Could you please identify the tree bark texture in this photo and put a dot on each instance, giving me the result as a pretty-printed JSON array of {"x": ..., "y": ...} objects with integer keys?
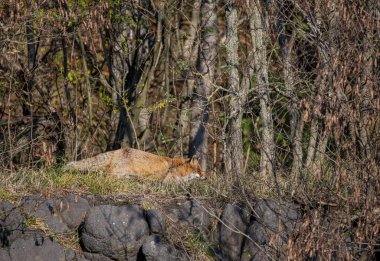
[
  {"x": 205, "y": 77},
  {"x": 233, "y": 157},
  {"x": 129, "y": 66},
  {"x": 258, "y": 27},
  {"x": 190, "y": 52},
  {"x": 286, "y": 44}
]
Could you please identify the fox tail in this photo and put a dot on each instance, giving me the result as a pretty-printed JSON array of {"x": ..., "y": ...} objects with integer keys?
[{"x": 91, "y": 164}]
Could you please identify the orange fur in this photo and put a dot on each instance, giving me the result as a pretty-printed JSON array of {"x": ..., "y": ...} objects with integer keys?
[{"x": 131, "y": 162}]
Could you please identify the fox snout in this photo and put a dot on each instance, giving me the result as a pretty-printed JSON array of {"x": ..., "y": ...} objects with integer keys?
[
  {"x": 197, "y": 176},
  {"x": 192, "y": 176}
]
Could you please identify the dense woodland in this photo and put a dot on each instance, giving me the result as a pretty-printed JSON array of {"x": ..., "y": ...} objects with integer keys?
[{"x": 286, "y": 91}]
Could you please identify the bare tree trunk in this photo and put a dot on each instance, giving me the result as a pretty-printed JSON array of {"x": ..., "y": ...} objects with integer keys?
[
  {"x": 329, "y": 60},
  {"x": 32, "y": 48},
  {"x": 190, "y": 52},
  {"x": 190, "y": 40},
  {"x": 141, "y": 115},
  {"x": 69, "y": 102},
  {"x": 258, "y": 29},
  {"x": 286, "y": 44},
  {"x": 312, "y": 143},
  {"x": 367, "y": 86},
  {"x": 315, "y": 27},
  {"x": 320, "y": 153},
  {"x": 233, "y": 157},
  {"x": 128, "y": 72},
  {"x": 167, "y": 44},
  {"x": 318, "y": 134},
  {"x": 109, "y": 85},
  {"x": 296, "y": 125},
  {"x": 205, "y": 66},
  {"x": 118, "y": 73},
  {"x": 87, "y": 78}
]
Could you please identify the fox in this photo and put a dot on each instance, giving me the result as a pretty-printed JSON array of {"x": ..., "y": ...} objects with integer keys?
[{"x": 126, "y": 162}]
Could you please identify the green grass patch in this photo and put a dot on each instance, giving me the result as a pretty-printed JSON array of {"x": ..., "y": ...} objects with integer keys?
[
  {"x": 51, "y": 180},
  {"x": 202, "y": 248}
]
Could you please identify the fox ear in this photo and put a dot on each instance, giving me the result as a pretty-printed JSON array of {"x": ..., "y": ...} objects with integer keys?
[{"x": 194, "y": 160}]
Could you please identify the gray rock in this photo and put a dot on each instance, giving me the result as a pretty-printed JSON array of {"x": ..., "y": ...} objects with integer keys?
[
  {"x": 72, "y": 255},
  {"x": 96, "y": 257},
  {"x": 74, "y": 210},
  {"x": 49, "y": 212},
  {"x": 190, "y": 213},
  {"x": 60, "y": 215},
  {"x": 36, "y": 247},
  {"x": 115, "y": 232},
  {"x": 274, "y": 223},
  {"x": 155, "y": 220},
  {"x": 29, "y": 204},
  {"x": 273, "y": 214},
  {"x": 156, "y": 248},
  {"x": 11, "y": 223},
  {"x": 4, "y": 254},
  {"x": 231, "y": 229},
  {"x": 256, "y": 248}
]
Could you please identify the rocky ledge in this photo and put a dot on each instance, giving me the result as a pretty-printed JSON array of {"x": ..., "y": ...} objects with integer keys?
[{"x": 117, "y": 230}]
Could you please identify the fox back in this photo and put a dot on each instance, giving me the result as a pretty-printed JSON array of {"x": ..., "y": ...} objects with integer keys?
[{"x": 131, "y": 162}]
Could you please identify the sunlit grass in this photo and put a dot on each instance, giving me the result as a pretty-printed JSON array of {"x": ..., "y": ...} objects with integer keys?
[
  {"x": 217, "y": 187},
  {"x": 56, "y": 181},
  {"x": 51, "y": 180}
]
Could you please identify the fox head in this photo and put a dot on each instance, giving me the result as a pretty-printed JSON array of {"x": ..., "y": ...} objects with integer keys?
[
  {"x": 188, "y": 169},
  {"x": 196, "y": 170}
]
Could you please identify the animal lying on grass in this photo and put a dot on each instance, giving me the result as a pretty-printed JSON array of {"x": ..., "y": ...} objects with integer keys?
[{"x": 131, "y": 162}]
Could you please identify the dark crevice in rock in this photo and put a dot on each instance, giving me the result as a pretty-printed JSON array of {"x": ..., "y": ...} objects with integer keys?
[{"x": 140, "y": 255}]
